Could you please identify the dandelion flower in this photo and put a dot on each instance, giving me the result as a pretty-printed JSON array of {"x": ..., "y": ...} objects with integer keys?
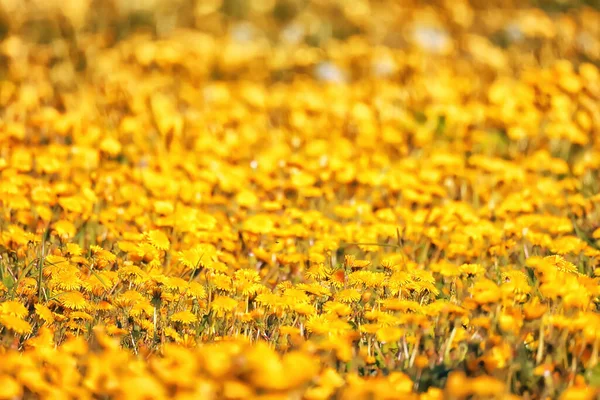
[
  {"x": 13, "y": 308},
  {"x": 81, "y": 315},
  {"x": 259, "y": 224},
  {"x": 389, "y": 334},
  {"x": 64, "y": 229},
  {"x": 44, "y": 313},
  {"x": 27, "y": 287},
  {"x": 196, "y": 291},
  {"x": 222, "y": 305},
  {"x": 10, "y": 388},
  {"x": 73, "y": 249},
  {"x": 173, "y": 334},
  {"x": 66, "y": 279},
  {"x": 319, "y": 324},
  {"x": 73, "y": 300},
  {"x": 158, "y": 239},
  {"x": 185, "y": 317},
  {"x": 198, "y": 255},
  {"x": 348, "y": 296},
  {"x": 15, "y": 324}
]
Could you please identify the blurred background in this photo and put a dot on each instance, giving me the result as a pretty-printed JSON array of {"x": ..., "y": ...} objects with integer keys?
[{"x": 279, "y": 39}]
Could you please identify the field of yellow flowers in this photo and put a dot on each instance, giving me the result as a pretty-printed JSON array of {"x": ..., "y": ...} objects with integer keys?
[{"x": 293, "y": 199}]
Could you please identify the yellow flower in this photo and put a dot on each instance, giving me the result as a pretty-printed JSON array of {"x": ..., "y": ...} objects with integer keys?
[
  {"x": 103, "y": 258},
  {"x": 561, "y": 264},
  {"x": 348, "y": 296},
  {"x": 71, "y": 204},
  {"x": 66, "y": 279},
  {"x": 44, "y": 313},
  {"x": 73, "y": 300},
  {"x": 80, "y": 315},
  {"x": 200, "y": 255},
  {"x": 13, "y": 308},
  {"x": 158, "y": 239},
  {"x": 320, "y": 324},
  {"x": 471, "y": 270},
  {"x": 10, "y": 388},
  {"x": 16, "y": 324},
  {"x": 73, "y": 249},
  {"x": 173, "y": 334},
  {"x": 132, "y": 273},
  {"x": 64, "y": 229},
  {"x": 389, "y": 334},
  {"x": 340, "y": 309},
  {"x": 289, "y": 330},
  {"x": 196, "y": 291},
  {"x": 222, "y": 282},
  {"x": 111, "y": 146},
  {"x": 185, "y": 317},
  {"x": 259, "y": 224},
  {"x": 222, "y": 305}
]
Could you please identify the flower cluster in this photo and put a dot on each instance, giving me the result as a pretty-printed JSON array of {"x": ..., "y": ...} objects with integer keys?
[{"x": 299, "y": 200}]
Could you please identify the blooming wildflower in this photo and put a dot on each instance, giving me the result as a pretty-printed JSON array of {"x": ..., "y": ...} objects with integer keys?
[
  {"x": 158, "y": 239},
  {"x": 185, "y": 317},
  {"x": 319, "y": 324},
  {"x": 314, "y": 288},
  {"x": 369, "y": 328},
  {"x": 13, "y": 308},
  {"x": 389, "y": 334},
  {"x": 128, "y": 298},
  {"x": 66, "y": 279},
  {"x": 223, "y": 304},
  {"x": 348, "y": 296},
  {"x": 16, "y": 324},
  {"x": 199, "y": 255},
  {"x": 303, "y": 308},
  {"x": 11, "y": 388},
  {"x": 132, "y": 274},
  {"x": 247, "y": 282},
  {"x": 222, "y": 282},
  {"x": 267, "y": 299},
  {"x": 561, "y": 264},
  {"x": 165, "y": 234},
  {"x": 175, "y": 284},
  {"x": 73, "y": 249},
  {"x": 337, "y": 278},
  {"x": 173, "y": 334},
  {"x": 367, "y": 278},
  {"x": 400, "y": 305},
  {"x": 471, "y": 270},
  {"x": 140, "y": 308},
  {"x": 103, "y": 257},
  {"x": 337, "y": 308},
  {"x": 259, "y": 224},
  {"x": 81, "y": 315},
  {"x": 296, "y": 296},
  {"x": 100, "y": 282},
  {"x": 73, "y": 300},
  {"x": 289, "y": 330},
  {"x": 196, "y": 290},
  {"x": 317, "y": 272},
  {"x": 44, "y": 313},
  {"x": 64, "y": 229},
  {"x": 485, "y": 291}
]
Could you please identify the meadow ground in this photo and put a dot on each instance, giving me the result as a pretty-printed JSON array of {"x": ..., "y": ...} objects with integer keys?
[{"x": 293, "y": 199}]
